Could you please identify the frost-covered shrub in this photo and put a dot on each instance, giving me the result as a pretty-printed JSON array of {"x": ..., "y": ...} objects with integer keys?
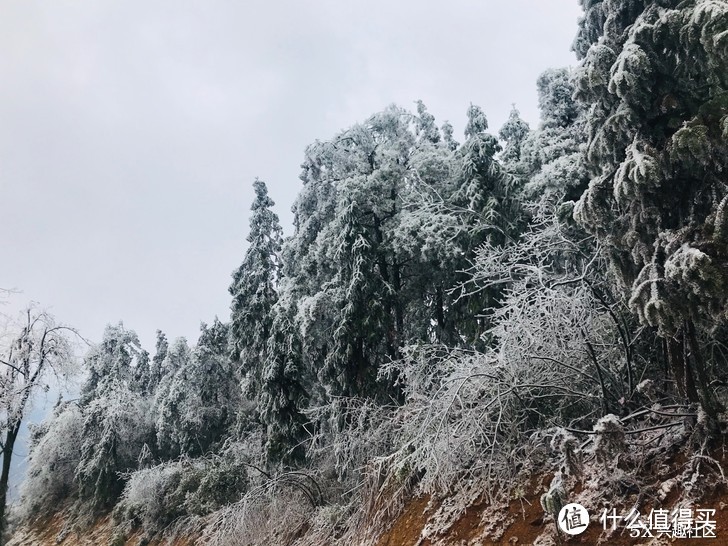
[
  {"x": 609, "y": 439},
  {"x": 55, "y": 452},
  {"x": 566, "y": 444},
  {"x": 353, "y": 431},
  {"x": 154, "y": 498},
  {"x": 266, "y": 515},
  {"x": 223, "y": 482},
  {"x": 151, "y": 496}
]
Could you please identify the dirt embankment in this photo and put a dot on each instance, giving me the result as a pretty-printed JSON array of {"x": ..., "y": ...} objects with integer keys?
[{"x": 450, "y": 522}]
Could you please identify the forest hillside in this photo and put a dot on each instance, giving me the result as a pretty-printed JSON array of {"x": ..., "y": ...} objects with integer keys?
[{"x": 463, "y": 334}]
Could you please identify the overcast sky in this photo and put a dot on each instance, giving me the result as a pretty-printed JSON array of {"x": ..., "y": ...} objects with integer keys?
[{"x": 131, "y": 131}]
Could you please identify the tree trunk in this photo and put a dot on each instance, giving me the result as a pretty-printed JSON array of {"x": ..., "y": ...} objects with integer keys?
[
  {"x": 398, "y": 313},
  {"x": 10, "y": 437},
  {"x": 708, "y": 401},
  {"x": 440, "y": 315},
  {"x": 680, "y": 368}
]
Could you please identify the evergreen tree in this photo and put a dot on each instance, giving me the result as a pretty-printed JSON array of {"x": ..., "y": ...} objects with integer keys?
[
  {"x": 447, "y": 136},
  {"x": 169, "y": 396},
  {"x": 156, "y": 365},
  {"x": 283, "y": 393},
  {"x": 553, "y": 155},
  {"x": 116, "y": 419},
  {"x": 111, "y": 362},
  {"x": 485, "y": 188},
  {"x": 254, "y": 290},
  {"x": 425, "y": 124},
  {"x": 487, "y": 198},
  {"x": 347, "y": 276},
  {"x": 654, "y": 73},
  {"x": 196, "y": 405},
  {"x": 513, "y": 133},
  {"x": 142, "y": 373},
  {"x": 385, "y": 220},
  {"x": 477, "y": 121}
]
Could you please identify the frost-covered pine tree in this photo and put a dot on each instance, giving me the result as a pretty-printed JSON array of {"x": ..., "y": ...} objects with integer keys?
[
  {"x": 447, "y": 136},
  {"x": 254, "y": 290},
  {"x": 156, "y": 364},
  {"x": 116, "y": 418},
  {"x": 346, "y": 274},
  {"x": 169, "y": 395},
  {"x": 513, "y": 133},
  {"x": 488, "y": 199},
  {"x": 110, "y": 362},
  {"x": 653, "y": 74},
  {"x": 196, "y": 405},
  {"x": 283, "y": 394},
  {"x": 425, "y": 127},
  {"x": 388, "y": 215},
  {"x": 485, "y": 188},
  {"x": 553, "y": 154},
  {"x": 143, "y": 373}
]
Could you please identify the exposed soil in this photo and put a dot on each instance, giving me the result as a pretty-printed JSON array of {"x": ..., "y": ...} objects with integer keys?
[
  {"x": 527, "y": 526},
  {"x": 103, "y": 533},
  {"x": 521, "y": 522}
]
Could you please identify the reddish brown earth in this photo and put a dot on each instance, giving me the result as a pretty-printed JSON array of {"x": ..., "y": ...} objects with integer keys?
[
  {"x": 527, "y": 523},
  {"x": 48, "y": 533},
  {"x": 525, "y": 516},
  {"x": 406, "y": 530},
  {"x": 527, "y": 527}
]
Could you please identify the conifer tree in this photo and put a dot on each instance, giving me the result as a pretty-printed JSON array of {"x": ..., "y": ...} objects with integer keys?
[
  {"x": 254, "y": 290},
  {"x": 110, "y": 362},
  {"x": 447, "y": 136},
  {"x": 553, "y": 154},
  {"x": 156, "y": 365},
  {"x": 425, "y": 124},
  {"x": 196, "y": 405},
  {"x": 513, "y": 133},
  {"x": 654, "y": 74},
  {"x": 283, "y": 390},
  {"x": 347, "y": 276},
  {"x": 116, "y": 417}
]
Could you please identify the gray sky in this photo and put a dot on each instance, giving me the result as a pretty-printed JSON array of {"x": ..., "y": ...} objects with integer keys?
[{"x": 131, "y": 131}]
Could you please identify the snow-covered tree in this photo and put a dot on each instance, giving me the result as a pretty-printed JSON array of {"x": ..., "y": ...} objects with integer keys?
[
  {"x": 385, "y": 220},
  {"x": 485, "y": 188},
  {"x": 143, "y": 373},
  {"x": 116, "y": 427},
  {"x": 477, "y": 121},
  {"x": 283, "y": 390},
  {"x": 654, "y": 76},
  {"x": 254, "y": 290},
  {"x": 195, "y": 409},
  {"x": 54, "y": 454},
  {"x": 32, "y": 348},
  {"x": 425, "y": 127},
  {"x": 345, "y": 271},
  {"x": 148, "y": 372},
  {"x": 117, "y": 422},
  {"x": 553, "y": 154},
  {"x": 111, "y": 362},
  {"x": 447, "y": 136},
  {"x": 169, "y": 396},
  {"x": 513, "y": 133}
]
